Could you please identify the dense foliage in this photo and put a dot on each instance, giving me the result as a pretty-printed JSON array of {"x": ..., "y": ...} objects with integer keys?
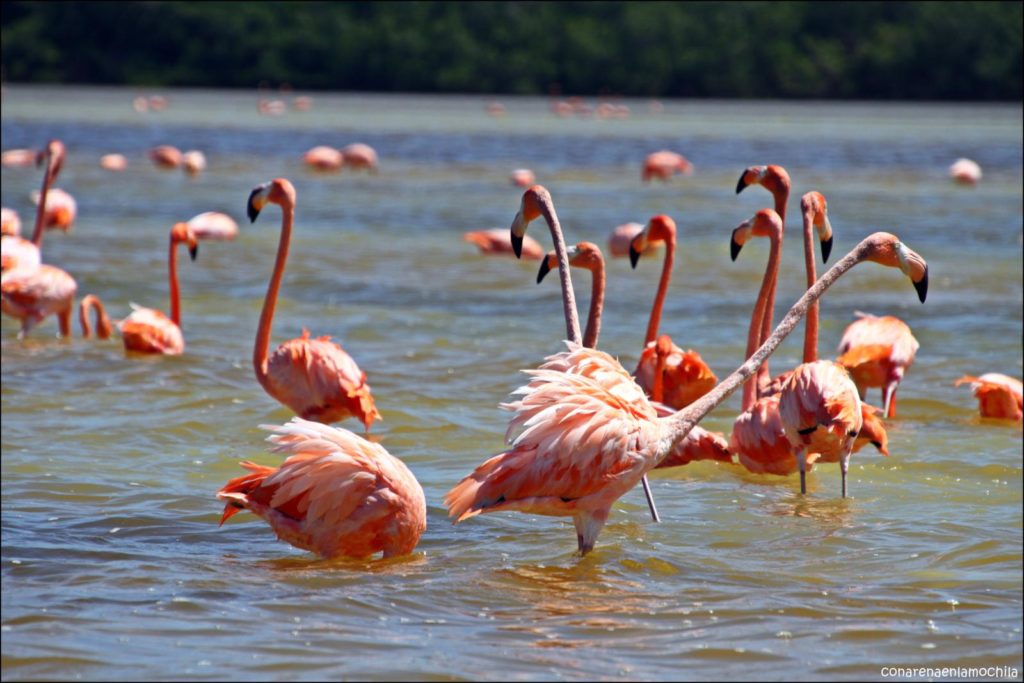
[{"x": 871, "y": 50}]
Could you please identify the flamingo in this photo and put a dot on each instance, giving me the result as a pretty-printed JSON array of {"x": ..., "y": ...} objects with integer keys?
[
  {"x": 324, "y": 158},
  {"x": 877, "y": 351},
  {"x": 16, "y": 251},
  {"x": 18, "y": 157},
  {"x": 588, "y": 437},
  {"x": 147, "y": 330},
  {"x": 999, "y": 396},
  {"x": 61, "y": 209},
  {"x": 313, "y": 377},
  {"x": 113, "y": 162},
  {"x": 688, "y": 377},
  {"x": 776, "y": 180},
  {"x": 622, "y": 236},
  {"x": 664, "y": 164},
  {"x": 360, "y": 156},
  {"x": 497, "y": 241},
  {"x": 213, "y": 225},
  {"x": 104, "y": 328},
  {"x": 699, "y": 444},
  {"x": 165, "y": 156},
  {"x": 194, "y": 162},
  {"x": 10, "y": 222},
  {"x": 965, "y": 172},
  {"x": 337, "y": 494},
  {"x": 522, "y": 177}
]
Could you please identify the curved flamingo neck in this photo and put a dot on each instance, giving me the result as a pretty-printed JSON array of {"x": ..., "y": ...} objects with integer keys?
[
  {"x": 572, "y": 321},
  {"x": 172, "y": 275},
  {"x": 261, "y": 348},
  {"x": 763, "y": 309},
  {"x": 680, "y": 424},
  {"x": 593, "y": 330},
  {"x": 811, "y": 324},
  {"x": 658, "y": 390},
  {"x": 37, "y": 233},
  {"x": 659, "y": 298}
]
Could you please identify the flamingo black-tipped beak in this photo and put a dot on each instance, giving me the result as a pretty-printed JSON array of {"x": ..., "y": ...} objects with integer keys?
[
  {"x": 922, "y": 286},
  {"x": 193, "y": 251},
  {"x": 544, "y": 270},
  {"x": 826, "y": 249},
  {"x": 250, "y": 208},
  {"x": 734, "y": 249},
  {"x": 517, "y": 244},
  {"x": 634, "y": 256},
  {"x": 257, "y": 200},
  {"x": 742, "y": 182}
]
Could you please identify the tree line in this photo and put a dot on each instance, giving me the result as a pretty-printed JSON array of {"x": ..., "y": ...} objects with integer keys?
[{"x": 845, "y": 50}]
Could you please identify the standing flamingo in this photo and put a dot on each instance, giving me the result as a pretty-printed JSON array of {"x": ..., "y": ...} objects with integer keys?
[
  {"x": 877, "y": 351},
  {"x": 699, "y": 444},
  {"x": 147, "y": 330},
  {"x": 104, "y": 328},
  {"x": 60, "y": 211},
  {"x": 313, "y": 377},
  {"x": 165, "y": 157},
  {"x": 213, "y": 225},
  {"x": 337, "y": 494},
  {"x": 588, "y": 437},
  {"x": 324, "y": 158},
  {"x": 360, "y": 156},
  {"x": 496, "y": 241},
  {"x": 999, "y": 396},
  {"x": 687, "y": 376},
  {"x": 965, "y": 172},
  {"x": 16, "y": 251},
  {"x": 663, "y": 165}
]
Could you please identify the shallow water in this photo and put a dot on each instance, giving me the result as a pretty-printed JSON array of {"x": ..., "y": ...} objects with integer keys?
[{"x": 113, "y": 564}]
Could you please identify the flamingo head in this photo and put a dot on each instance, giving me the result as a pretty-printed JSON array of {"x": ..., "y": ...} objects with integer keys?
[
  {"x": 660, "y": 228},
  {"x": 815, "y": 210},
  {"x": 182, "y": 234},
  {"x": 773, "y": 178},
  {"x": 53, "y": 155},
  {"x": 764, "y": 223},
  {"x": 887, "y": 250},
  {"x": 530, "y": 208},
  {"x": 873, "y": 430},
  {"x": 279, "y": 191},
  {"x": 583, "y": 255}
]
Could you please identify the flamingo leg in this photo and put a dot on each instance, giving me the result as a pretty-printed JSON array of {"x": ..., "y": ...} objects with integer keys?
[
  {"x": 844, "y": 465},
  {"x": 64, "y": 321},
  {"x": 801, "y": 459},
  {"x": 889, "y": 399},
  {"x": 650, "y": 498}
]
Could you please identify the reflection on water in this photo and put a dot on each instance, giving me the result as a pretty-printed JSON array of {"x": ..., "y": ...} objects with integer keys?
[{"x": 113, "y": 563}]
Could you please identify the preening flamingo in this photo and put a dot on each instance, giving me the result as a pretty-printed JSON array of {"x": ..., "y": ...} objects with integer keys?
[
  {"x": 587, "y": 437},
  {"x": 10, "y": 223},
  {"x": 165, "y": 156},
  {"x": 622, "y": 236},
  {"x": 313, "y": 377},
  {"x": 877, "y": 351},
  {"x": 496, "y": 241},
  {"x": 360, "y": 156},
  {"x": 687, "y": 376},
  {"x": 147, "y": 330},
  {"x": 337, "y": 494},
  {"x": 213, "y": 225},
  {"x": 663, "y": 165},
  {"x": 104, "y": 328},
  {"x": 965, "y": 172},
  {"x": 999, "y": 396},
  {"x": 61, "y": 209}
]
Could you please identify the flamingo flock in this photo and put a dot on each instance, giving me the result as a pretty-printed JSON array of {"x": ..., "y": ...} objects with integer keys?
[{"x": 583, "y": 430}]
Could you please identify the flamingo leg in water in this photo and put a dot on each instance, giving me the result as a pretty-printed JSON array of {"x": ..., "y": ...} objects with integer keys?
[
  {"x": 801, "y": 458},
  {"x": 889, "y": 399},
  {"x": 650, "y": 499},
  {"x": 844, "y": 465}
]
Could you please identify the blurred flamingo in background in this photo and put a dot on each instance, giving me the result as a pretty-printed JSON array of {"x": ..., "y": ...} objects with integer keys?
[
  {"x": 337, "y": 494},
  {"x": 877, "y": 351},
  {"x": 12, "y": 158},
  {"x": 522, "y": 177},
  {"x": 213, "y": 225},
  {"x": 965, "y": 172},
  {"x": 147, "y": 330},
  {"x": 194, "y": 162},
  {"x": 999, "y": 396},
  {"x": 497, "y": 241},
  {"x": 589, "y": 435},
  {"x": 663, "y": 165},
  {"x": 104, "y": 328},
  {"x": 359, "y": 156},
  {"x": 61, "y": 209},
  {"x": 323, "y": 158},
  {"x": 165, "y": 157},
  {"x": 622, "y": 236},
  {"x": 15, "y": 251},
  {"x": 313, "y": 377},
  {"x": 686, "y": 376},
  {"x": 113, "y": 162},
  {"x": 10, "y": 222}
]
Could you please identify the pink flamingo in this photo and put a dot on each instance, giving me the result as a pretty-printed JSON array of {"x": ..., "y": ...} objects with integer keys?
[
  {"x": 113, "y": 162},
  {"x": 213, "y": 225},
  {"x": 147, "y": 330},
  {"x": 165, "y": 156},
  {"x": 965, "y": 172},
  {"x": 877, "y": 351},
  {"x": 522, "y": 177},
  {"x": 588, "y": 437},
  {"x": 10, "y": 222},
  {"x": 999, "y": 396},
  {"x": 313, "y": 377},
  {"x": 194, "y": 162},
  {"x": 663, "y": 165},
  {"x": 687, "y": 376},
  {"x": 337, "y": 494},
  {"x": 360, "y": 156},
  {"x": 497, "y": 241},
  {"x": 61, "y": 209},
  {"x": 622, "y": 236},
  {"x": 17, "y": 252},
  {"x": 324, "y": 158},
  {"x": 13, "y": 158},
  {"x": 104, "y": 328}
]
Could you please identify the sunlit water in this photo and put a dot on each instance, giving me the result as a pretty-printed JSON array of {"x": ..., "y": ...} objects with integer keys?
[{"x": 114, "y": 566}]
